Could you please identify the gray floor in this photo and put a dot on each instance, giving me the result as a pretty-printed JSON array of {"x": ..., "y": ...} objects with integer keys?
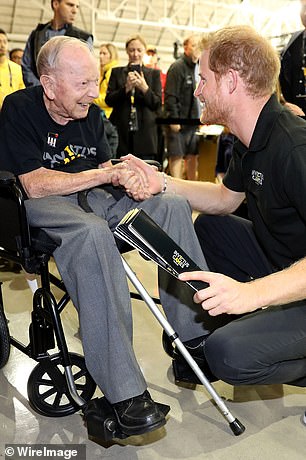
[{"x": 195, "y": 429}]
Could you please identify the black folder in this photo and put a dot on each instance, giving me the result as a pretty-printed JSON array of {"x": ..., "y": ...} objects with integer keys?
[{"x": 142, "y": 233}]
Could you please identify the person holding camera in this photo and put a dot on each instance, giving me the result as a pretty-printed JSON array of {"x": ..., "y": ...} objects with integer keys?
[{"x": 134, "y": 91}]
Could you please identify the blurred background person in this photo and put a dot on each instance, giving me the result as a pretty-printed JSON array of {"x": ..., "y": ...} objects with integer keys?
[
  {"x": 181, "y": 140},
  {"x": 10, "y": 72},
  {"x": 151, "y": 60},
  {"x": 225, "y": 145},
  {"x": 108, "y": 59},
  {"x": 108, "y": 56},
  {"x": 293, "y": 66},
  {"x": 64, "y": 15},
  {"x": 134, "y": 92},
  {"x": 16, "y": 55},
  {"x": 10, "y": 81}
]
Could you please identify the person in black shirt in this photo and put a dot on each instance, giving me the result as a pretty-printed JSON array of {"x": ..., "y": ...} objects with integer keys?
[
  {"x": 134, "y": 91},
  {"x": 182, "y": 140},
  {"x": 258, "y": 266}
]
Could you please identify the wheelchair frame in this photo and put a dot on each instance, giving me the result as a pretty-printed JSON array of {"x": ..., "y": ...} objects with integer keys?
[
  {"x": 45, "y": 316},
  {"x": 70, "y": 391}
]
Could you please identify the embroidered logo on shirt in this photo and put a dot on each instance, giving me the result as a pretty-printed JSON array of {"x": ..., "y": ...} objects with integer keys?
[
  {"x": 257, "y": 177},
  {"x": 51, "y": 140}
]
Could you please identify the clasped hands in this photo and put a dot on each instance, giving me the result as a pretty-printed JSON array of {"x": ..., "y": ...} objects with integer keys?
[{"x": 134, "y": 180}]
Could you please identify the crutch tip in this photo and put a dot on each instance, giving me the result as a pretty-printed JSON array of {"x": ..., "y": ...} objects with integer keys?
[{"x": 237, "y": 427}]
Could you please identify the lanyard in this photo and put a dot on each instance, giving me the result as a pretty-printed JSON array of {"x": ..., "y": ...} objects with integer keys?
[{"x": 133, "y": 97}]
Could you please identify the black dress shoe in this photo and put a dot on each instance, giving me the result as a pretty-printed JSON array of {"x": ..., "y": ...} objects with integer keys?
[
  {"x": 181, "y": 369},
  {"x": 140, "y": 414}
]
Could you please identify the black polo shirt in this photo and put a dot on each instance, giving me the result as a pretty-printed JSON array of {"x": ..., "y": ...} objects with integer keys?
[{"x": 272, "y": 173}]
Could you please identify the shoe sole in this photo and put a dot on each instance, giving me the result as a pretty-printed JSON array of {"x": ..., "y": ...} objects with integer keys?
[{"x": 140, "y": 429}]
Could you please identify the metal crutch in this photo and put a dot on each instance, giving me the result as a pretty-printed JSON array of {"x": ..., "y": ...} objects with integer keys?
[{"x": 236, "y": 426}]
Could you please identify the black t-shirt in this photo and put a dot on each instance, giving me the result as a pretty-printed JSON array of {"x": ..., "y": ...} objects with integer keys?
[
  {"x": 272, "y": 173},
  {"x": 30, "y": 139}
]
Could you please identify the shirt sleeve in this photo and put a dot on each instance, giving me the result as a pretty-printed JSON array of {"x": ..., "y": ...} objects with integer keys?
[
  {"x": 28, "y": 76},
  {"x": 19, "y": 143},
  {"x": 153, "y": 96},
  {"x": 233, "y": 178},
  {"x": 293, "y": 187},
  {"x": 172, "y": 91},
  {"x": 116, "y": 94}
]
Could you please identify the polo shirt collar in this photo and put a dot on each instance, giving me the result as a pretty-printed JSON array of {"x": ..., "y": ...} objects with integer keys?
[{"x": 264, "y": 126}]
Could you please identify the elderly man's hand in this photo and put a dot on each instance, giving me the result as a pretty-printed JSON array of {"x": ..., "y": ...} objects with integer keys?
[
  {"x": 133, "y": 181},
  {"x": 152, "y": 178}
]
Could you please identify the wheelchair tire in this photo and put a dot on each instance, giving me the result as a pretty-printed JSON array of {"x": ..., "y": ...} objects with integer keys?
[
  {"x": 4, "y": 340},
  {"x": 47, "y": 387},
  {"x": 167, "y": 345}
]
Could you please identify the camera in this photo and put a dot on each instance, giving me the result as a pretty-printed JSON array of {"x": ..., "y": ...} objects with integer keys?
[{"x": 135, "y": 67}]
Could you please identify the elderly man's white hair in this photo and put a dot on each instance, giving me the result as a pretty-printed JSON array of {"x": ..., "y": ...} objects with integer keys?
[{"x": 47, "y": 58}]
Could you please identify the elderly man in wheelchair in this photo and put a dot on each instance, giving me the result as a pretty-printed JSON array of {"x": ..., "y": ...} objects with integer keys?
[{"x": 52, "y": 139}]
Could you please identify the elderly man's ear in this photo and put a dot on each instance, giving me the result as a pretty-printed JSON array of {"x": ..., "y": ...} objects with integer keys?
[{"x": 48, "y": 84}]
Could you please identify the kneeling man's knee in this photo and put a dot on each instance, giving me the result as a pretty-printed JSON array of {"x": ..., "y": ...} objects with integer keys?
[{"x": 225, "y": 358}]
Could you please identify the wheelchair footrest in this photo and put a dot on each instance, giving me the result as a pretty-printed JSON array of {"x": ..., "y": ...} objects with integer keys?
[{"x": 101, "y": 421}]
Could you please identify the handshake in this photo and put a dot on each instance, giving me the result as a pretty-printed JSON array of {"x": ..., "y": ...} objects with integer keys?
[{"x": 140, "y": 180}]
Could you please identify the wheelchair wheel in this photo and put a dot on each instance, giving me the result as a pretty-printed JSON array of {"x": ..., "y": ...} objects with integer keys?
[
  {"x": 167, "y": 345},
  {"x": 4, "y": 340},
  {"x": 48, "y": 391}
]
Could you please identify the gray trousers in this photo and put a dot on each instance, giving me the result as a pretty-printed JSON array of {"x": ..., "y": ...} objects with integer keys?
[
  {"x": 91, "y": 268},
  {"x": 264, "y": 347}
]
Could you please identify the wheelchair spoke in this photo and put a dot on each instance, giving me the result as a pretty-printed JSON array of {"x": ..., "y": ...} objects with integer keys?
[
  {"x": 80, "y": 386},
  {"x": 48, "y": 393},
  {"x": 47, "y": 383},
  {"x": 57, "y": 400},
  {"x": 79, "y": 374}
]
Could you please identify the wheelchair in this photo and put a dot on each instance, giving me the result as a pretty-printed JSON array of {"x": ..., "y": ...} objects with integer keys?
[{"x": 60, "y": 384}]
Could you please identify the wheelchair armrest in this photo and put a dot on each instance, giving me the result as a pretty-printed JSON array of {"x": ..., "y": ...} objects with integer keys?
[
  {"x": 18, "y": 242},
  {"x": 7, "y": 179},
  {"x": 14, "y": 234}
]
